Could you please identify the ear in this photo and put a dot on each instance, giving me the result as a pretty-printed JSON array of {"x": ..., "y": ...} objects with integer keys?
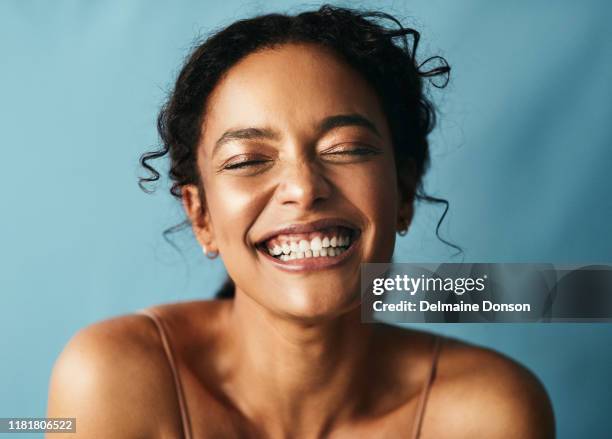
[
  {"x": 406, "y": 185},
  {"x": 194, "y": 204}
]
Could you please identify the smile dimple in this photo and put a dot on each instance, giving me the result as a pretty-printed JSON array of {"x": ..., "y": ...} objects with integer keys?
[{"x": 330, "y": 242}]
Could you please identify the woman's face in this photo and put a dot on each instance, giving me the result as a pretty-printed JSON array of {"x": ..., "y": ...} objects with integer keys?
[{"x": 292, "y": 135}]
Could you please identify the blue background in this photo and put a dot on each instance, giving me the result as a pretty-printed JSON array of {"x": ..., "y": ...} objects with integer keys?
[{"x": 523, "y": 151}]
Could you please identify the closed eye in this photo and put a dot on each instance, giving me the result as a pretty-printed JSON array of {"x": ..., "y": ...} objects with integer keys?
[
  {"x": 344, "y": 154},
  {"x": 357, "y": 151},
  {"x": 245, "y": 164}
]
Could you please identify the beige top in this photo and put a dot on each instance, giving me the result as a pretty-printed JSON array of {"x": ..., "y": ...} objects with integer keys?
[{"x": 185, "y": 422}]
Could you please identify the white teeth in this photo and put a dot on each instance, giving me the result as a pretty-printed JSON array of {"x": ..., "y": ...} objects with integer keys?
[
  {"x": 315, "y": 244},
  {"x": 324, "y": 252},
  {"x": 304, "y": 245},
  {"x": 317, "y": 247}
]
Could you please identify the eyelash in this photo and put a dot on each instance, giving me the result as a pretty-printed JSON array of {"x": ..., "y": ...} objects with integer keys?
[
  {"x": 356, "y": 151},
  {"x": 244, "y": 164}
]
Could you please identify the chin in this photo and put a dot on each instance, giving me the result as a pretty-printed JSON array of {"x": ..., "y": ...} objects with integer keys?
[{"x": 315, "y": 303}]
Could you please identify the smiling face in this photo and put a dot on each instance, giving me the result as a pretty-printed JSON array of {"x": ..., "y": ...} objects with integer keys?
[{"x": 293, "y": 135}]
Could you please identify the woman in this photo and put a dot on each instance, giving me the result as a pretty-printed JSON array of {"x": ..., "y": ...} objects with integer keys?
[{"x": 298, "y": 145}]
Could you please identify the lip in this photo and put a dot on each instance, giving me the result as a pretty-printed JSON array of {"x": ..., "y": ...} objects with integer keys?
[
  {"x": 315, "y": 263},
  {"x": 309, "y": 227}
]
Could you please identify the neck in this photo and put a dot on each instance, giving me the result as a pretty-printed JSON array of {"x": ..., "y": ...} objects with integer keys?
[{"x": 303, "y": 372}]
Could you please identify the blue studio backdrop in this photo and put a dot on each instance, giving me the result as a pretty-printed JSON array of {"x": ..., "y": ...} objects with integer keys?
[{"x": 523, "y": 152}]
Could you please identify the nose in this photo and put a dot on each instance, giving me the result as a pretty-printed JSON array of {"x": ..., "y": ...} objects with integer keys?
[{"x": 302, "y": 184}]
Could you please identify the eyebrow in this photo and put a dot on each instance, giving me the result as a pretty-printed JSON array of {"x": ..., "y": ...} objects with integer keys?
[
  {"x": 244, "y": 134},
  {"x": 325, "y": 125},
  {"x": 343, "y": 120}
]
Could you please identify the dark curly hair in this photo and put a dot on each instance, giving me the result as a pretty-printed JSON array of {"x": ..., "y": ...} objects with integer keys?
[{"x": 384, "y": 56}]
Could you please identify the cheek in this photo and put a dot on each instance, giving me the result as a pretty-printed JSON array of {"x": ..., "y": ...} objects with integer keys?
[
  {"x": 373, "y": 191},
  {"x": 234, "y": 206}
]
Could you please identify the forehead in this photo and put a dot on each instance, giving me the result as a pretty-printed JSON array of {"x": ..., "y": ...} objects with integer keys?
[{"x": 290, "y": 87}]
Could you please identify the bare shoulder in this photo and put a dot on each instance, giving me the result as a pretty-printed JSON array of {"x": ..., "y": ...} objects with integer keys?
[
  {"x": 114, "y": 378},
  {"x": 479, "y": 392}
]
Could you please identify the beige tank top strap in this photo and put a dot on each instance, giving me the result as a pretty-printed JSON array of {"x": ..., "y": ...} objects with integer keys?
[
  {"x": 161, "y": 327},
  {"x": 416, "y": 431}
]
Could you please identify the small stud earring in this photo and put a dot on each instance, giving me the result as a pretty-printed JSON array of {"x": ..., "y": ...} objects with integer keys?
[
  {"x": 403, "y": 228},
  {"x": 209, "y": 255}
]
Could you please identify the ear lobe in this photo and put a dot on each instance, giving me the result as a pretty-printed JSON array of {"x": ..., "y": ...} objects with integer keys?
[
  {"x": 404, "y": 216},
  {"x": 191, "y": 203},
  {"x": 197, "y": 214},
  {"x": 406, "y": 181}
]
